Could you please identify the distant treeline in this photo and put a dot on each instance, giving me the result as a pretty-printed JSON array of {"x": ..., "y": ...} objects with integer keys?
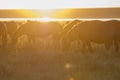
[{"x": 64, "y": 13}]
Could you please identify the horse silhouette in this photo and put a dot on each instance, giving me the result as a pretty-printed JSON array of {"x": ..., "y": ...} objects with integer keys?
[
  {"x": 3, "y": 34},
  {"x": 101, "y": 32},
  {"x": 11, "y": 27},
  {"x": 38, "y": 29}
]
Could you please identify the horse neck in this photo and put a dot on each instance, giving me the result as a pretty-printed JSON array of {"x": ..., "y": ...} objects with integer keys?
[{"x": 18, "y": 33}]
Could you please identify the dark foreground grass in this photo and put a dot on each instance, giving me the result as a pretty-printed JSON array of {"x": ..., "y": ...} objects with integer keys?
[{"x": 36, "y": 62}]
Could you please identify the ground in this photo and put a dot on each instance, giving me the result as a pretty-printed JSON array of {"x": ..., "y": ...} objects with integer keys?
[{"x": 39, "y": 63}]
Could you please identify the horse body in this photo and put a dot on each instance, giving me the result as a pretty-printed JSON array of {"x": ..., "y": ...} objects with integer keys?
[
  {"x": 38, "y": 29},
  {"x": 11, "y": 27},
  {"x": 93, "y": 31},
  {"x": 3, "y": 34},
  {"x": 69, "y": 25}
]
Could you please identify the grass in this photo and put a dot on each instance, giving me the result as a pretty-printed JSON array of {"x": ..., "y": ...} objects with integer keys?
[{"x": 35, "y": 62}]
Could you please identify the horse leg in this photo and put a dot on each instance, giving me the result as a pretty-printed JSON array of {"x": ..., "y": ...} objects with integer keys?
[
  {"x": 116, "y": 44},
  {"x": 31, "y": 39},
  {"x": 84, "y": 45},
  {"x": 107, "y": 45},
  {"x": 4, "y": 40},
  {"x": 56, "y": 39},
  {"x": 89, "y": 47}
]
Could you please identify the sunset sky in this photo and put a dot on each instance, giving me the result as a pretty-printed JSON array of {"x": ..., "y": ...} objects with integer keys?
[{"x": 53, "y": 4}]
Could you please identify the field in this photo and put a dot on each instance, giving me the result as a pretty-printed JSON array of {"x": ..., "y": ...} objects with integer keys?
[
  {"x": 41, "y": 60},
  {"x": 38, "y": 62},
  {"x": 60, "y": 40}
]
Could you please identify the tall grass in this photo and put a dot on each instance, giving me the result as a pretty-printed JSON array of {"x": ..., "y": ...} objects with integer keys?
[{"x": 38, "y": 61}]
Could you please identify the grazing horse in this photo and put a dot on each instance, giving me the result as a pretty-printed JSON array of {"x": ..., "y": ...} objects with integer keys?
[
  {"x": 92, "y": 32},
  {"x": 115, "y": 24},
  {"x": 3, "y": 34},
  {"x": 38, "y": 29},
  {"x": 69, "y": 25},
  {"x": 11, "y": 27}
]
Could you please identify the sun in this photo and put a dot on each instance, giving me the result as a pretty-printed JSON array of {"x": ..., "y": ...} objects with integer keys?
[{"x": 46, "y": 19}]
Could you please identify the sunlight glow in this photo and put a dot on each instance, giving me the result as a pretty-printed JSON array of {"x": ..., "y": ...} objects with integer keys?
[
  {"x": 48, "y": 8},
  {"x": 54, "y": 4},
  {"x": 67, "y": 66},
  {"x": 46, "y": 19},
  {"x": 72, "y": 78}
]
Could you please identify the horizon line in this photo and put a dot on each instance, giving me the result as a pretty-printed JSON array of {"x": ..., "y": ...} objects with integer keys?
[{"x": 59, "y": 8}]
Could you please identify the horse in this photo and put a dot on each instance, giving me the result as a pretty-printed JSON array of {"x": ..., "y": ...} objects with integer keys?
[
  {"x": 92, "y": 32},
  {"x": 3, "y": 34},
  {"x": 35, "y": 29},
  {"x": 11, "y": 27}
]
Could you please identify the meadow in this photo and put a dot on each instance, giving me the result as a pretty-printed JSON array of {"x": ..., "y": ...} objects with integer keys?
[{"x": 38, "y": 61}]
